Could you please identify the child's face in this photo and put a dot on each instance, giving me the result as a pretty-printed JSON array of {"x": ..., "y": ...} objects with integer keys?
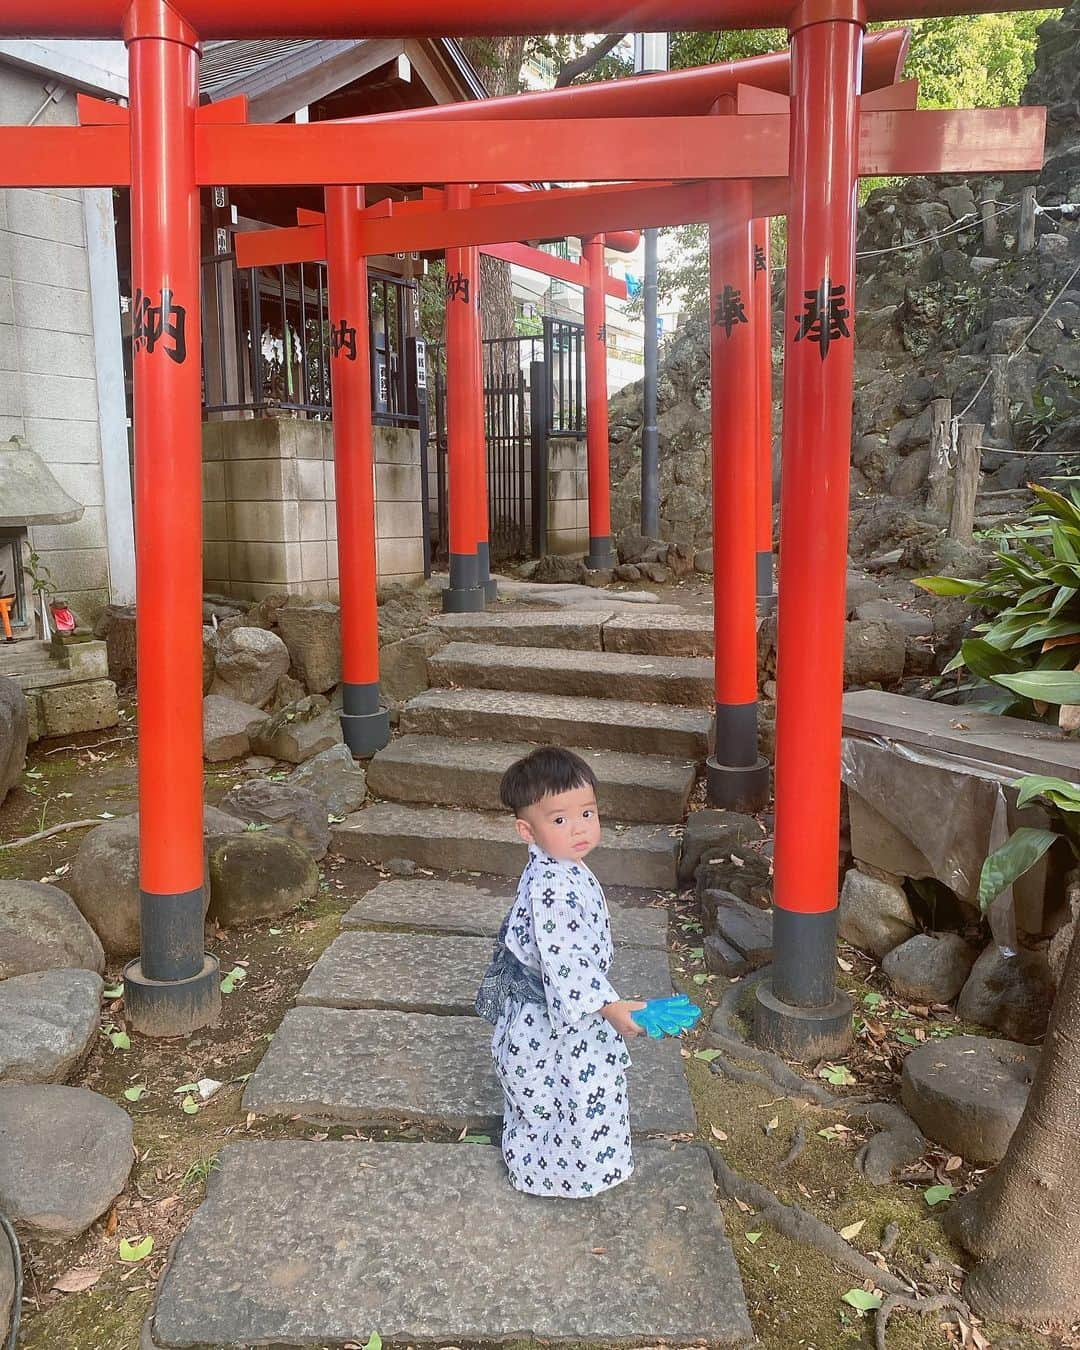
[{"x": 566, "y": 825}]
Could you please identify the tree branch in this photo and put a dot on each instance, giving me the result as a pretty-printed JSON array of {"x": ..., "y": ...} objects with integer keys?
[{"x": 572, "y": 69}]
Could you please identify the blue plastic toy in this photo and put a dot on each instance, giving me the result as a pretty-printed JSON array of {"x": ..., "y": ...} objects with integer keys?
[{"x": 667, "y": 1016}]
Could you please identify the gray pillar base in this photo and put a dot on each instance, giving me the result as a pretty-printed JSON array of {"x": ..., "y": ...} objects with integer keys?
[
  {"x": 601, "y": 556},
  {"x": 366, "y": 733},
  {"x": 172, "y": 1007},
  {"x": 483, "y": 573},
  {"x": 467, "y": 600},
  {"x": 802, "y": 1034},
  {"x": 491, "y": 589},
  {"x": 737, "y": 787}
]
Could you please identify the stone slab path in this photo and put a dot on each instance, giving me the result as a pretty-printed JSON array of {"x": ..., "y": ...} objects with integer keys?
[{"x": 316, "y": 1244}]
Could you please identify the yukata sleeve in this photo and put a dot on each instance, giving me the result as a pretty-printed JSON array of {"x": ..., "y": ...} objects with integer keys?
[{"x": 574, "y": 980}]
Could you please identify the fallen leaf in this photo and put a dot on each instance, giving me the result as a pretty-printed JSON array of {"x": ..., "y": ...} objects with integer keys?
[
  {"x": 846, "y": 966},
  {"x": 771, "y": 1125},
  {"x": 599, "y": 1251},
  {"x": 707, "y": 1055},
  {"x": 752, "y": 1237},
  {"x": 852, "y": 1230},
  {"x": 862, "y": 1299},
  {"x": 78, "y": 1280},
  {"x": 741, "y": 1204},
  {"x": 935, "y": 1195},
  {"x": 718, "y": 1134},
  {"x": 112, "y": 1222},
  {"x": 954, "y": 1162},
  {"x": 132, "y": 1094},
  {"x": 138, "y": 1250}
]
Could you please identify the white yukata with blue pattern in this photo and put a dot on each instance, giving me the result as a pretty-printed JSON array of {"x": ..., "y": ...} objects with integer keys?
[{"x": 566, "y": 1119}]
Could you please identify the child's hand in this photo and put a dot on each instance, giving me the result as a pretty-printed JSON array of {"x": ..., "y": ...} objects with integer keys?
[{"x": 618, "y": 1014}]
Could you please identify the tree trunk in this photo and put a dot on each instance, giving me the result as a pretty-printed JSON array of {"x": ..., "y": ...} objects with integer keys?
[{"x": 1023, "y": 1224}]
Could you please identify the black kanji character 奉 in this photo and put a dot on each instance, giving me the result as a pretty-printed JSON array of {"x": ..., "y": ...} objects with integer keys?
[
  {"x": 165, "y": 323},
  {"x": 759, "y": 259},
  {"x": 824, "y": 317},
  {"x": 343, "y": 341},
  {"x": 457, "y": 286},
  {"x": 601, "y": 333},
  {"x": 729, "y": 309}
]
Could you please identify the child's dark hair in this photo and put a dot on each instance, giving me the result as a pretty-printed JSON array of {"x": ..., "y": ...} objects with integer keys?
[{"x": 546, "y": 771}]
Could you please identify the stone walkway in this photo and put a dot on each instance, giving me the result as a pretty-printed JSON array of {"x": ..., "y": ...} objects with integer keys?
[{"x": 319, "y": 1243}]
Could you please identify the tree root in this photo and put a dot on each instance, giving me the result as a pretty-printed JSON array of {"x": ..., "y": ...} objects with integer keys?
[
  {"x": 798, "y": 1143},
  {"x": 53, "y": 829},
  {"x": 902, "y": 1302}
]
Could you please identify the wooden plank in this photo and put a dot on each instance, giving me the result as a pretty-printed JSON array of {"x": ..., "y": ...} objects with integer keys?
[{"x": 1005, "y": 743}]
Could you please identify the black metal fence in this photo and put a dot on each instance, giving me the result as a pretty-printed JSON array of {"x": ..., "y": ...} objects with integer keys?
[{"x": 564, "y": 361}]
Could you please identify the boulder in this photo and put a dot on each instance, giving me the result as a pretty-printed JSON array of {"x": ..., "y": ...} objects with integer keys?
[
  {"x": 969, "y": 1092},
  {"x": 289, "y": 690},
  {"x": 558, "y": 568},
  {"x": 69, "y": 709},
  {"x": 225, "y": 727},
  {"x": 743, "y": 872},
  {"x": 48, "y": 1022},
  {"x": 41, "y": 929},
  {"x": 286, "y": 808},
  {"x": 659, "y": 573},
  {"x": 312, "y": 633},
  {"x": 1010, "y": 994},
  {"x": 299, "y": 732},
  {"x": 874, "y": 653},
  {"x": 104, "y": 877},
  {"x": 723, "y": 959},
  {"x": 680, "y": 558},
  {"x": 874, "y": 914},
  {"x": 403, "y": 665},
  {"x": 14, "y": 734},
  {"x": 703, "y": 561},
  {"x": 711, "y": 833},
  {"x": 335, "y": 778},
  {"x": 250, "y": 661},
  {"x": 628, "y": 572},
  {"x": 930, "y": 967},
  {"x": 910, "y": 621},
  {"x": 209, "y": 656},
  {"x": 65, "y": 1155},
  {"x": 259, "y": 876},
  {"x": 116, "y": 625},
  {"x": 860, "y": 590},
  {"x": 742, "y": 927}
]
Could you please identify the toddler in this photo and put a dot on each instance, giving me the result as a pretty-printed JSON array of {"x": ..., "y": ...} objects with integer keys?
[{"x": 558, "y": 1045}]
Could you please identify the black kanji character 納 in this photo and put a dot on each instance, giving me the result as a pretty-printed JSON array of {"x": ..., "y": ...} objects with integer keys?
[
  {"x": 343, "y": 341},
  {"x": 457, "y": 286},
  {"x": 165, "y": 323}
]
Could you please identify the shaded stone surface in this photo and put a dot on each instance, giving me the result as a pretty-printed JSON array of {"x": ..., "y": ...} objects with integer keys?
[
  {"x": 660, "y": 634},
  {"x": 335, "y": 778},
  {"x": 711, "y": 832},
  {"x": 14, "y": 734},
  {"x": 410, "y": 972},
  {"x": 41, "y": 929},
  {"x": 259, "y": 876},
  {"x": 48, "y": 1021},
  {"x": 645, "y": 679},
  {"x": 453, "y": 772},
  {"x": 299, "y": 732},
  {"x": 969, "y": 1092},
  {"x": 226, "y": 726},
  {"x": 909, "y": 621},
  {"x": 403, "y": 665},
  {"x": 248, "y": 664},
  {"x": 65, "y": 1155},
  {"x": 742, "y": 926},
  {"x": 600, "y": 723},
  {"x": 68, "y": 709},
  {"x": 874, "y": 653},
  {"x": 525, "y": 628},
  {"x": 366, "y": 1067},
  {"x": 874, "y": 915},
  {"x": 288, "y": 809},
  {"x": 470, "y": 841},
  {"x": 930, "y": 966},
  {"x": 433, "y": 905},
  {"x": 302, "y": 1229},
  {"x": 1011, "y": 994},
  {"x": 312, "y": 633}
]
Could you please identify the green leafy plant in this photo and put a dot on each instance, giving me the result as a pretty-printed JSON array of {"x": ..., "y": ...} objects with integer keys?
[
  {"x": 1026, "y": 845},
  {"x": 40, "y": 575},
  {"x": 1023, "y": 658}
]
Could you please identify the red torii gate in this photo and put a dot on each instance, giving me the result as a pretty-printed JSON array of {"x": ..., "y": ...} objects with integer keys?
[{"x": 174, "y": 146}]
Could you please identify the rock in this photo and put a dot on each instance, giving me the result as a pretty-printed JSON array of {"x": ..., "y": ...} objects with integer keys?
[
  {"x": 1012, "y": 994},
  {"x": 680, "y": 559},
  {"x": 401, "y": 867},
  {"x": 627, "y": 572},
  {"x": 912, "y": 623},
  {"x": 289, "y": 690},
  {"x": 259, "y": 876},
  {"x": 558, "y": 568},
  {"x": 225, "y": 727},
  {"x": 335, "y": 778},
  {"x": 299, "y": 732},
  {"x": 703, "y": 561},
  {"x": 48, "y": 1021},
  {"x": 713, "y": 832},
  {"x": 65, "y": 1155},
  {"x": 250, "y": 661},
  {"x": 116, "y": 624},
  {"x": 743, "y": 873},
  {"x": 723, "y": 959},
  {"x": 14, "y": 734},
  {"x": 209, "y": 657},
  {"x": 930, "y": 967},
  {"x": 598, "y": 577},
  {"x": 969, "y": 1092},
  {"x": 882, "y": 562},
  {"x": 961, "y": 202},
  {"x": 861, "y": 589},
  {"x": 403, "y": 665},
  {"x": 287, "y": 808},
  {"x": 41, "y": 929},
  {"x": 312, "y": 633},
  {"x": 874, "y": 915},
  {"x": 68, "y": 709},
  {"x": 659, "y": 574},
  {"x": 874, "y": 653},
  {"x": 104, "y": 877},
  {"x": 910, "y": 474},
  {"x": 742, "y": 927}
]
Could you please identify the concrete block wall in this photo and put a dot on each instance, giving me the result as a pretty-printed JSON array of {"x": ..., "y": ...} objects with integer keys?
[
  {"x": 48, "y": 383},
  {"x": 568, "y": 496},
  {"x": 269, "y": 516}
]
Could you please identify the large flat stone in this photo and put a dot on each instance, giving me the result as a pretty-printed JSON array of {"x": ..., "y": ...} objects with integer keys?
[
  {"x": 314, "y": 1244},
  {"x": 472, "y": 841},
  {"x": 448, "y": 771},
  {"x": 432, "y": 905},
  {"x": 660, "y": 634},
  {"x": 685, "y": 680},
  {"x": 412, "y": 972},
  {"x": 546, "y": 719},
  {"x": 526, "y": 628},
  {"x": 361, "y": 1067},
  {"x": 48, "y": 1021}
]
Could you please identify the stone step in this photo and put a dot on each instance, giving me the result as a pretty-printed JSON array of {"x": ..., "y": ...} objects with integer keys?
[
  {"x": 526, "y": 628},
  {"x": 432, "y": 905},
  {"x": 542, "y": 719},
  {"x": 375, "y": 1067},
  {"x": 473, "y": 841},
  {"x": 315, "y": 1244},
  {"x": 660, "y": 634},
  {"x": 683, "y": 680},
  {"x": 410, "y": 972},
  {"x": 449, "y": 772}
]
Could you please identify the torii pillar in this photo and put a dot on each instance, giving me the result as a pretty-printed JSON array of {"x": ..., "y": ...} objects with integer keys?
[
  {"x": 736, "y": 776},
  {"x": 799, "y": 1012},
  {"x": 762, "y": 326},
  {"x": 601, "y": 555},
  {"x": 483, "y": 527}
]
